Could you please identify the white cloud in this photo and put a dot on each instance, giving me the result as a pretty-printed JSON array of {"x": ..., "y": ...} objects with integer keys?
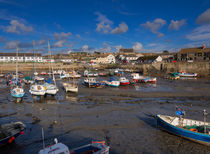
[
  {"x": 11, "y": 45},
  {"x": 176, "y": 24},
  {"x": 59, "y": 43},
  {"x": 123, "y": 27},
  {"x": 155, "y": 25},
  {"x": 62, "y": 35},
  {"x": 118, "y": 47},
  {"x": 17, "y": 27},
  {"x": 138, "y": 46},
  {"x": 104, "y": 24},
  {"x": 200, "y": 33},
  {"x": 41, "y": 42},
  {"x": 106, "y": 48},
  {"x": 204, "y": 18},
  {"x": 85, "y": 47}
]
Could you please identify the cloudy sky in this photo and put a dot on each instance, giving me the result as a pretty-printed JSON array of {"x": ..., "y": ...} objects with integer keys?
[{"x": 103, "y": 25}]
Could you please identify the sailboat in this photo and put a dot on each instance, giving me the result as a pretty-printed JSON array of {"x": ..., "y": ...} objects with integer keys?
[
  {"x": 36, "y": 88},
  {"x": 71, "y": 87},
  {"x": 16, "y": 90},
  {"x": 50, "y": 87}
]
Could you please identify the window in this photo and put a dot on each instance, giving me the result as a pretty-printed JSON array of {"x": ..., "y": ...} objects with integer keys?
[{"x": 199, "y": 54}]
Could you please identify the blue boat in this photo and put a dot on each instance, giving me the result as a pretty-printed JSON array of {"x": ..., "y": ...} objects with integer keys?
[
  {"x": 17, "y": 92},
  {"x": 194, "y": 130}
]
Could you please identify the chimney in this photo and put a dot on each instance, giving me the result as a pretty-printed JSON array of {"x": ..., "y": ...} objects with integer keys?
[{"x": 204, "y": 46}]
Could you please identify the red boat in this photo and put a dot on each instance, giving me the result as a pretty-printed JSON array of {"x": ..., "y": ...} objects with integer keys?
[{"x": 124, "y": 81}]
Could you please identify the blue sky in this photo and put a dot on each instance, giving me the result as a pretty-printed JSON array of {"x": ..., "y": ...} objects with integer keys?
[{"x": 104, "y": 25}]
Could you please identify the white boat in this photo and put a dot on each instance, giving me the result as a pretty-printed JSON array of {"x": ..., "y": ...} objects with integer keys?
[
  {"x": 90, "y": 74},
  {"x": 64, "y": 75},
  {"x": 136, "y": 76},
  {"x": 36, "y": 73},
  {"x": 184, "y": 74},
  {"x": 113, "y": 83},
  {"x": 69, "y": 87},
  {"x": 38, "y": 78},
  {"x": 17, "y": 92},
  {"x": 60, "y": 148},
  {"x": 37, "y": 89},
  {"x": 143, "y": 79}
]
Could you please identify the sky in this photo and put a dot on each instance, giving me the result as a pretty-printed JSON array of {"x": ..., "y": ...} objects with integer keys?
[{"x": 103, "y": 25}]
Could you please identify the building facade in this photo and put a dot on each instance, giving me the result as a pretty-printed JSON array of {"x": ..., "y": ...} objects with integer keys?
[
  {"x": 193, "y": 54},
  {"x": 110, "y": 59},
  {"x": 22, "y": 57}
]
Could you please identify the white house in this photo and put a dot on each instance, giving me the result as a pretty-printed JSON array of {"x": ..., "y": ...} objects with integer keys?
[
  {"x": 22, "y": 57},
  {"x": 110, "y": 59}
]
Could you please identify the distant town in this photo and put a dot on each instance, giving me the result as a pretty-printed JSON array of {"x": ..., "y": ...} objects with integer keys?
[{"x": 124, "y": 56}]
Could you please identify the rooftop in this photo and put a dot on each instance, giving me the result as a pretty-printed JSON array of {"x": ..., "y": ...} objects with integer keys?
[
  {"x": 13, "y": 54},
  {"x": 193, "y": 50}
]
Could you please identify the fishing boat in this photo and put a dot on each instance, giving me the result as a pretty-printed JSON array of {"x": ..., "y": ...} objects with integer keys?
[
  {"x": 197, "y": 131},
  {"x": 71, "y": 87},
  {"x": 38, "y": 78},
  {"x": 124, "y": 81},
  {"x": 184, "y": 74},
  {"x": 172, "y": 76},
  {"x": 10, "y": 131},
  {"x": 92, "y": 83},
  {"x": 149, "y": 80},
  {"x": 60, "y": 148},
  {"x": 113, "y": 82},
  {"x": 16, "y": 90},
  {"x": 75, "y": 75},
  {"x": 64, "y": 75}
]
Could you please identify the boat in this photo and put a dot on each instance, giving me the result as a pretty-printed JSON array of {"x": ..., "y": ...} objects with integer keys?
[
  {"x": 113, "y": 82},
  {"x": 36, "y": 88},
  {"x": 43, "y": 73},
  {"x": 59, "y": 148},
  {"x": 91, "y": 82},
  {"x": 50, "y": 86},
  {"x": 28, "y": 80},
  {"x": 71, "y": 87},
  {"x": 184, "y": 74},
  {"x": 90, "y": 74},
  {"x": 197, "y": 131},
  {"x": 124, "y": 81},
  {"x": 16, "y": 90},
  {"x": 75, "y": 75},
  {"x": 142, "y": 79},
  {"x": 10, "y": 131},
  {"x": 36, "y": 73},
  {"x": 38, "y": 78},
  {"x": 64, "y": 75},
  {"x": 172, "y": 76}
]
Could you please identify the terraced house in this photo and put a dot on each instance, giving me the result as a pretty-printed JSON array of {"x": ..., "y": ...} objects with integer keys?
[{"x": 193, "y": 54}]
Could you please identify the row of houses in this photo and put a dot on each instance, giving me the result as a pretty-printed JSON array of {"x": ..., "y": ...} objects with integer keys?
[{"x": 22, "y": 57}]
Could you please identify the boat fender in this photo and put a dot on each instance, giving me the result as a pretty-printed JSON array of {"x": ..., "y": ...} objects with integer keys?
[
  {"x": 11, "y": 139},
  {"x": 194, "y": 130}
]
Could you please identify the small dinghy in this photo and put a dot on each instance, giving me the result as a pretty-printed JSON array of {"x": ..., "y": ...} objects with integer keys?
[
  {"x": 70, "y": 87},
  {"x": 60, "y": 148},
  {"x": 113, "y": 82},
  {"x": 197, "y": 131},
  {"x": 10, "y": 131},
  {"x": 92, "y": 83}
]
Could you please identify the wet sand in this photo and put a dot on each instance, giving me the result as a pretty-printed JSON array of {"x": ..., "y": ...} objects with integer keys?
[{"x": 123, "y": 117}]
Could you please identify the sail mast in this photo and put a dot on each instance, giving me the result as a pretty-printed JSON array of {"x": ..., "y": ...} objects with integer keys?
[
  {"x": 73, "y": 73},
  {"x": 16, "y": 62},
  {"x": 51, "y": 62},
  {"x": 34, "y": 70}
]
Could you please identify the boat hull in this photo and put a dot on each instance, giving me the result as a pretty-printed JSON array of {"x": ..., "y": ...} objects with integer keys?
[
  {"x": 194, "y": 136},
  {"x": 124, "y": 83}
]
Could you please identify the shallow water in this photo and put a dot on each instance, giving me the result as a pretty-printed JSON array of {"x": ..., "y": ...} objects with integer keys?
[{"x": 123, "y": 116}]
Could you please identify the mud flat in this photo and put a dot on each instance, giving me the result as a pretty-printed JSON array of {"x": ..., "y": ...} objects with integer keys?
[{"x": 123, "y": 117}]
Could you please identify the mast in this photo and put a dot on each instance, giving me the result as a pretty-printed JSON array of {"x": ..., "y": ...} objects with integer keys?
[
  {"x": 51, "y": 62},
  {"x": 49, "y": 56},
  {"x": 73, "y": 72},
  {"x": 16, "y": 63},
  {"x": 34, "y": 57}
]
